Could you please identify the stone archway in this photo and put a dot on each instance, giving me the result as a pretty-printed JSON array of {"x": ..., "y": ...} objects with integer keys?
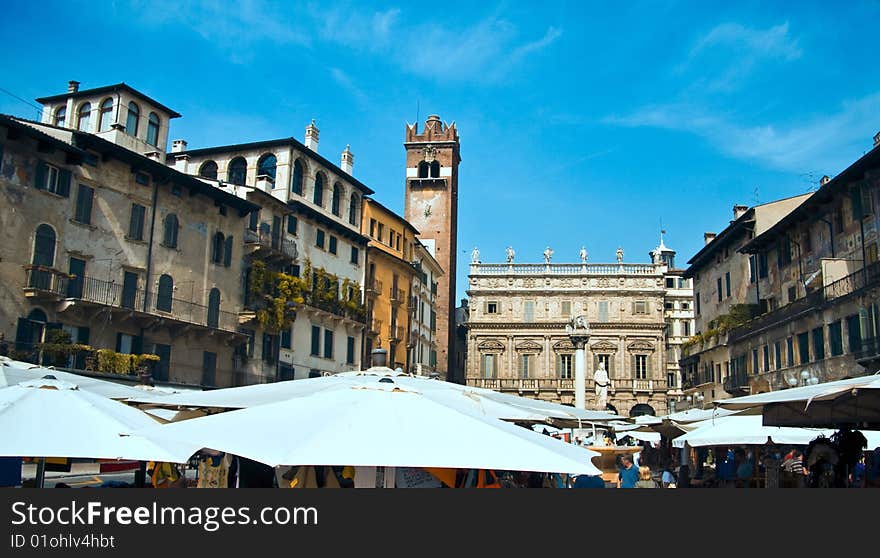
[{"x": 642, "y": 409}]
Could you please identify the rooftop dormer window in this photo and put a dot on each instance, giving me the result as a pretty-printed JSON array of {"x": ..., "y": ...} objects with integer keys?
[
  {"x": 84, "y": 116},
  {"x": 153, "y": 129},
  {"x": 131, "y": 121},
  {"x": 237, "y": 172},
  {"x": 105, "y": 117},
  {"x": 60, "y": 115}
]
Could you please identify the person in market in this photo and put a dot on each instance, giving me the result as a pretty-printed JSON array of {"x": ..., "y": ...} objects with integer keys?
[
  {"x": 588, "y": 481},
  {"x": 628, "y": 474},
  {"x": 645, "y": 478},
  {"x": 793, "y": 465}
]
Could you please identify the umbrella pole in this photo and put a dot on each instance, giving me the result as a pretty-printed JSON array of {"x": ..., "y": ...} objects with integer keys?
[{"x": 40, "y": 479}]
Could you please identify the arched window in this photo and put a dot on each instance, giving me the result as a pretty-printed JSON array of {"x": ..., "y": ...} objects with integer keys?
[
  {"x": 266, "y": 165},
  {"x": 30, "y": 330},
  {"x": 83, "y": 117},
  {"x": 297, "y": 184},
  {"x": 153, "y": 129},
  {"x": 319, "y": 189},
  {"x": 132, "y": 120},
  {"x": 423, "y": 169},
  {"x": 44, "y": 246},
  {"x": 214, "y": 307},
  {"x": 208, "y": 170},
  {"x": 217, "y": 247},
  {"x": 353, "y": 216},
  {"x": 337, "y": 194},
  {"x": 237, "y": 172},
  {"x": 169, "y": 239},
  {"x": 166, "y": 289},
  {"x": 435, "y": 169},
  {"x": 105, "y": 118},
  {"x": 60, "y": 116}
]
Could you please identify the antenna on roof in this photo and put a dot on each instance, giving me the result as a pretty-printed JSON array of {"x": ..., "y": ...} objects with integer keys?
[{"x": 417, "y": 112}]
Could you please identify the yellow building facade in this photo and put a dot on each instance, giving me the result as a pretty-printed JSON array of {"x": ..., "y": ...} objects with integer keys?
[{"x": 388, "y": 284}]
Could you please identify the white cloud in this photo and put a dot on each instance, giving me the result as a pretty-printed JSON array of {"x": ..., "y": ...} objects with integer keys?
[
  {"x": 823, "y": 143},
  {"x": 730, "y": 52},
  {"x": 345, "y": 81}
]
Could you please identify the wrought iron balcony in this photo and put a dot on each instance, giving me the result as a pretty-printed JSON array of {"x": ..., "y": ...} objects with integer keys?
[
  {"x": 91, "y": 291},
  {"x": 265, "y": 244},
  {"x": 375, "y": 327},
  {"x": 396, "y": 333},
  {"x": 45, "y": 282},
  {"x": 373, "y": 287},
  {"x": 737, "y": 384},
  {"x": 398, "y": 296}
]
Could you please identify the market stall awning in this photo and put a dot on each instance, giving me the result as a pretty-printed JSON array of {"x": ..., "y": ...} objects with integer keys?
[
  {"x": 377, "y": 424},
  {"x": 740, "y": 430}
]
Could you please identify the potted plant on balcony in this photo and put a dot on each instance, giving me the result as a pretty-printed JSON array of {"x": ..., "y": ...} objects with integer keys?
[{"x": 145, "y": 364}]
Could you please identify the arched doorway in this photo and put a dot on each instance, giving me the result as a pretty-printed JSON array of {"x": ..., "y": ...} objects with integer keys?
[{"x": 642, "y": 409}]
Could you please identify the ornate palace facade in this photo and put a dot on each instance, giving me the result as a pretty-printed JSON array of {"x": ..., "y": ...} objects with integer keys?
[{"x": 516, "y": 339}]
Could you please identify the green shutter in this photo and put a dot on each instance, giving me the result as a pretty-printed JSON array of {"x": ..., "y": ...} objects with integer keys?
[
  {"x": 63, "y": 183},
  {"x": 40, "y": 176},
  {"x": 856, "y": 198}
]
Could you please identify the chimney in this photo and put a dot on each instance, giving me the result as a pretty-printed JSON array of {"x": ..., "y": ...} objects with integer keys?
[
  {"x": 72, "y": 86},
  {"x": 826, "y": 179},
  {"x": 347, "y": 160},
  {"x": 739, "y": 211},
  {"x": 178, "y": 145},
  {"x": 379, "y": 357},
  {"x": 312, "y": 136},
  {"x": 877, "y": 139},
  {"x": 708, "y": 237}
]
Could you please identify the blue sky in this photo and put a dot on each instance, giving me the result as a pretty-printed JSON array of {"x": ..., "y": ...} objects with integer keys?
[{"x": 581, "y": 123}]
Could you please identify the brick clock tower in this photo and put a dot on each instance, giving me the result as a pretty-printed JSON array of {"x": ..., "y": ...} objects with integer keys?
[{"x": 431, "y": 206}]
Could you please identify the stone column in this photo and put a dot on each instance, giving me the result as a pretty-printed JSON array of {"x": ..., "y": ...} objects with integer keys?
[
  {"x": 579, "y": 333},
  {"x": 580, "y": 374}
]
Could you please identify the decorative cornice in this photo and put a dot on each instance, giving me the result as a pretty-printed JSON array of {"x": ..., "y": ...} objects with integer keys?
[
  {"x": 491, "y": 345},
  {"x": 553, "y": 326},
  {"x": 640, "y": 345},
  {"x": 530, "y": 346}
]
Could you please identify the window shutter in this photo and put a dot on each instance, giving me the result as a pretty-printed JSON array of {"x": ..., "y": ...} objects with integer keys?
[
  {"x": 23, "y": 335},
  {"x": 856, "y": 198},
  {"x": 40, "y": 176},
  {"x": 137, "y": 345},
  {"x": 63, "y": 183},
  {"x": 118, "y": 341},
  {"x": 227, "y": 254},
  {"x": 634, "y": 369}
]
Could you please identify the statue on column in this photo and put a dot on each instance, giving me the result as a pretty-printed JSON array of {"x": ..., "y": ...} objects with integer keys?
[
  {"x": 510, "y": 254},
  {"x": 548, "y": 253},
  {"x": 475, "y": 255},
  {"x": 600, "y": 377},
  {"x": 620, "y": 255},
  {"x": 583, "y": 254}
]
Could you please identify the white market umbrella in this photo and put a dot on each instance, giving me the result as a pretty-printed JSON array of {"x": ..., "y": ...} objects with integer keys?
[
  {"x": 14, "y": 372},
  {"x": 379, "y": 425},
  {"x": 746, "y": 430},
  {"x": 487, "y": 402},
  {"x": 50, "y": 418}
]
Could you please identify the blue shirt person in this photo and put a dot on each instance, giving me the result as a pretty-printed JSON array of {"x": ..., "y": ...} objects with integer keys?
[{"x": 628, "y": 475}]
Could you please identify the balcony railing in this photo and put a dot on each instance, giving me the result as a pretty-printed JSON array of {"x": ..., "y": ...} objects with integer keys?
[
  {"x": 737, "y": 383},
  {"x": 396, "y": 333},
  {"x": 870, "y": 350},
  {"x": 336, "y": 306},
  {"x": 564, "y": 269},
  {"x": 565, "y": 384},
  {"x": 42, "y": 280},
  {"x": 375, "y": 327},
  {"x": 853, "y": 283},
  {"x": 397, "y": 295},
  {"x": 109, "y": 293},
  {"x": 275, "y": 244},
  {"x": 373, "y": 287}
]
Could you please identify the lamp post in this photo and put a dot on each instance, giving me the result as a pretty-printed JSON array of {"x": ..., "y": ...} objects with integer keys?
[{"x": 579, "y": 333}]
